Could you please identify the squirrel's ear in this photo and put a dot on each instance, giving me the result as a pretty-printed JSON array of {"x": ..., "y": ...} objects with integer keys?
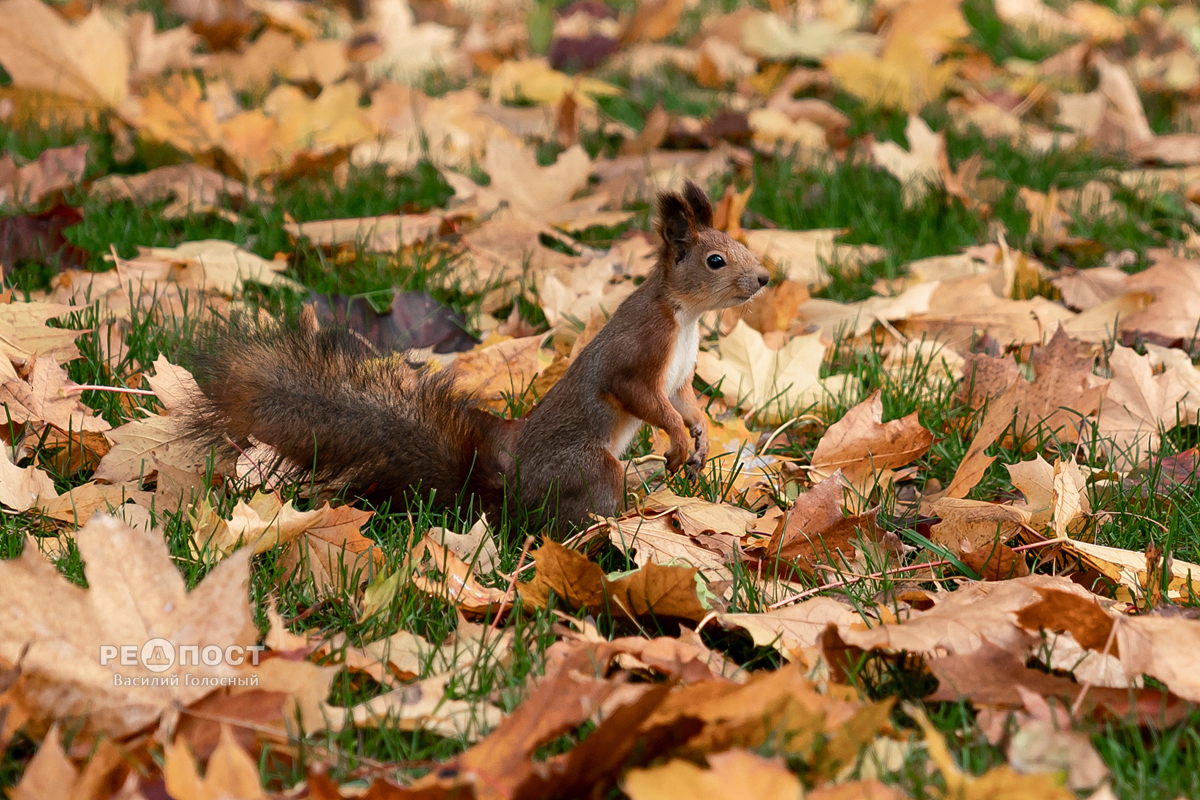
[
  {"x": 676, "y": 223},
  {"x": 701, "y": 207}
]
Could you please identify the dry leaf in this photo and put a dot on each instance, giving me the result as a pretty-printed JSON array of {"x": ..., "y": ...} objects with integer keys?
[
  {"x": 731, "y": 774},
  {"x": 774, "y": 384},
  {"x": 1136, "y": 406},
  {"x": 919, "y": 169},
  {"x": 22, "y": 489},
  {"x": 136, "y": 594},
  {"x": 579, "y": 583},
  {"x": 803, "y": 256},
  {"x": 866, "y": 449}
]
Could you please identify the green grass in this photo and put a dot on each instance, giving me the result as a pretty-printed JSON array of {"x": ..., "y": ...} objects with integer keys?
[{"x": 864, "y": 200}]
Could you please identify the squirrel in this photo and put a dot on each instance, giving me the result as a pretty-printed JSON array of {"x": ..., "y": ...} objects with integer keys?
[{"x": 386, "y": 429}]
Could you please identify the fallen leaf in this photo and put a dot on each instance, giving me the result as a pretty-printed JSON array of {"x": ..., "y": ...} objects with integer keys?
[
  {"x": 224, "y": 267},
  {"x": 697, "y": 517},
  {"x": 190, "y": 188},
  {"x": 476, "y": 547},
  {"x": 579, "y": 583},
  {"x": 40, "y": 238},
  {"x": 991, "y": 676},
  {"x": 1000, "y": 781},
  {"x": 775, "y": 384},
  {"x": 804, "y": 256},
  {"x": 794, "y": 628},
  {"x": 1062, "y": 393},
  {"x": 43, "y": 52},
  {"x": 731, "y": 774},
  {"x": 919, "y": 169},
  {"x": 77, "y": 506},
  {"x": 866, "y": 449},
  {"x": 231, "y": 772},
  {"x": 50, "y": 772},
  {"x": 21, "y": 489},
  {"x": 903, "y": 78},
  {"x": 1136, "y": 406},
  {"x": 135, "y": 595},
  {"x": 45, "y": 398},
  {"x": 440, "y": 573},
  {"x": 55, "y": 168}
]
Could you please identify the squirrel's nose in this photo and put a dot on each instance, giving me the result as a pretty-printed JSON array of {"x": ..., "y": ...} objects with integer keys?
[{"x": 763, "y": 279}]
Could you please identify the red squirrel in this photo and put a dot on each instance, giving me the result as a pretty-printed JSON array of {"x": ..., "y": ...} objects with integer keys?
[{"x": 387, "y": 430}]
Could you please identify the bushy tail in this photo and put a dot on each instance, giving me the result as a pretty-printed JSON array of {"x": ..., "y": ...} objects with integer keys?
[{"x": 326, "y": 406}]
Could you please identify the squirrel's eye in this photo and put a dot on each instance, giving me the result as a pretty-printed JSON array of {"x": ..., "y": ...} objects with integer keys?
[{"x": 716, "y": 261}]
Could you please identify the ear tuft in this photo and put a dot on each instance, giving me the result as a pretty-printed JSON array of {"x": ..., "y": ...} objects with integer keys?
[
  {"x": 676, "y": 222},
  {"x": 701, "y": 207}
]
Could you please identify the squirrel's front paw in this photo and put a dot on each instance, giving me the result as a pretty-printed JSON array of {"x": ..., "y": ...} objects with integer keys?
[
  {"x": 699, "y": 433},
  {"x": 676, "y": 456}
]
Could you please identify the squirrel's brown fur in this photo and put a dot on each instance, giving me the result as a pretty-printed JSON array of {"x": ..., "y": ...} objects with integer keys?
[{"x": 386, "y": 429}]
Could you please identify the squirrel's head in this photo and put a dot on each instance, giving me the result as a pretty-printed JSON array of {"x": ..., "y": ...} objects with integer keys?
[{"x": 704, "y": 267}]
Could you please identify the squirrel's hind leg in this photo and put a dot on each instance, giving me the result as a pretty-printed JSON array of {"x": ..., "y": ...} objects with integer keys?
[{"x": 567, "y": 501}]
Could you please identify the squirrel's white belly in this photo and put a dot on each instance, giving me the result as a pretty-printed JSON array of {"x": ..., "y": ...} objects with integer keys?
[
  {"x": 680, "y": 369},
  {"x": 682, "y": 365}
]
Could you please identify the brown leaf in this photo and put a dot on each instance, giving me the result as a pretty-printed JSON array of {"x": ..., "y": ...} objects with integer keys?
[
  {"x": 1175, "y": 285},
  {"x": 598, "y": 759},
  {"x": 56, "y": 168},
  {"x": 991, "y": 676},
  {"x": 45, "y": 397},
  {"x": 975, "y": 463},
  {"x": 499, "y": 371},
  {"x": 77, "y": 506},
  {"x": 426, "y": 706},
  {"x": 39, "y": 237},
  {"x": 69, "y": 453},
  {"x": 793, "y": 628},
  {"x": 697, "y": 516},
  {"x": 231, "y": 772},
  {"x": 383, "y": 234},
  {"x": 42, "y": 51},
  {"x": 865, "y": 449},
  {"x": 26, "y": 335},
  {"x": 998, "y": 563},
  {"x": 964, "y": 618},
  {"x": 22, "y": 489},
  {"x": 653, "y": 20},
  {"x": 844, "y": 538},
  {"x": 1136, "y": 406},
  {"x": 1063, "y": 391},
  {"x": 855, "y": 790},
  {"x": 562, "y": 700},
  {"x": 136, "y": 594},
  {"x": 579, "y": 583},
  {"x": 968, "y": 525},
  {"x": 51, "y": 774},
  {"x": 919, "y": 169},
  {"x": 191, "y": 188},
  {"x": 439, "y": 572},
  {"x": 656, "y": 540},
  {"x": 1128, "y": 569},
  {"x": 781, "y": 705},
  {"x": 1164, "y": 648},
  {"x": 732, "y": 774},
  {"x": 814, "y": 512},
  {"x": 997, "y": 782},
  {"x": 334, "y": 548}
]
